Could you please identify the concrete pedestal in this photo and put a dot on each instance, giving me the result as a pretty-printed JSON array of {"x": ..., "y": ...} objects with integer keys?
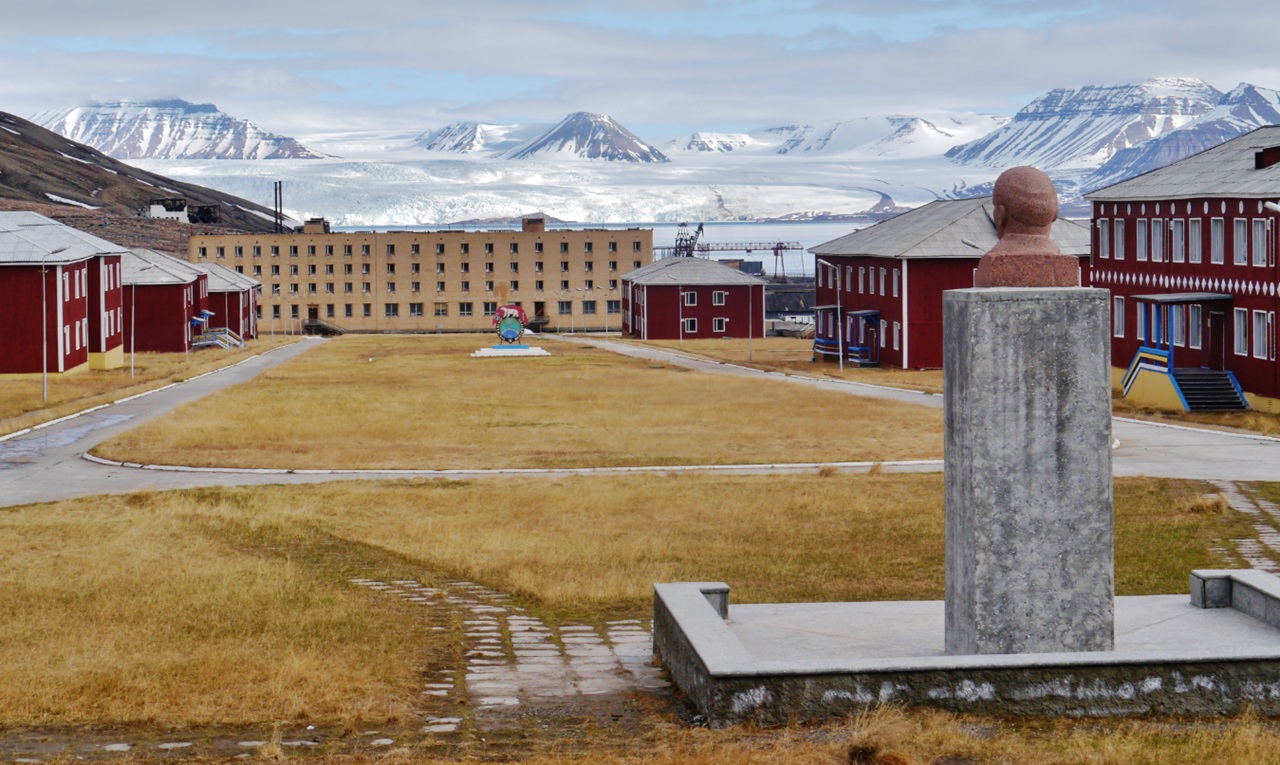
[{"x": 1028, "y": 471}]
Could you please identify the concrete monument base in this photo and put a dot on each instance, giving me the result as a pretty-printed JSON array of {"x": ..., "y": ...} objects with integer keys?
[
  {"x": 1214, "y": 653},
  {"x": 509, "y": 351}
]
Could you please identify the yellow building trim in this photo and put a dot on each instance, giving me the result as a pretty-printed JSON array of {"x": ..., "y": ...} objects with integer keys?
[
  {"x": 111, "y": 359},
  {"x": 1263, "y": 403}
]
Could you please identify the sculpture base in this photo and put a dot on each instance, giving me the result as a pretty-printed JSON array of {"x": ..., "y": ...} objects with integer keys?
[{"x": 509, "y": 351}]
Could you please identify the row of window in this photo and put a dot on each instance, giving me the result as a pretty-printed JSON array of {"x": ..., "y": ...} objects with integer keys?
[
  {"x": 1250, "y": 241},
  {"x": 718, "y": 297},
  {"x": 464, "y": 248},
  {"x": 465, "y": 309},
  {"x": 1181, "y": 326},
  {"x": 857, "y": 333},
  {"x": 867, "y": 281},
  {"x": 690, "y": 326},
  {"x": 465, "y": 286},
  {"x": 415, "y": 268}
]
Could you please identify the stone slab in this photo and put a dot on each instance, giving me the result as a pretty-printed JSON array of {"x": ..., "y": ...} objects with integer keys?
[
  {"x": 508, "y": 352},
  {"x": 773, "y": 663}
]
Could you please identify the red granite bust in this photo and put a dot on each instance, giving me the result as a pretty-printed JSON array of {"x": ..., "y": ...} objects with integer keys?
[{"x": 1026, "y": 205}]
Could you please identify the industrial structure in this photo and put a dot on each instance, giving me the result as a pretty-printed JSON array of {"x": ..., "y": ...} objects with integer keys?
[{"x": 433, "y": 281}]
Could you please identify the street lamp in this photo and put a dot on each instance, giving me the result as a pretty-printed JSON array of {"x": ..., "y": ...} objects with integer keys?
[
  {"x": 133, "y": 312},
  {"x": 839, "y": 314},
  {"x": 44, "y": 323}
]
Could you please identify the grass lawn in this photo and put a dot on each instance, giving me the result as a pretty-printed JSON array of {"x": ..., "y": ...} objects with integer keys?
[
  {"x": 421, "y": 402},
  {"x": 22, "y": 401}
]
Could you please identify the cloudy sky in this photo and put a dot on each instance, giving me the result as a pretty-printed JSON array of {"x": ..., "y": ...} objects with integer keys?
[{"x": 660, "y": 67}]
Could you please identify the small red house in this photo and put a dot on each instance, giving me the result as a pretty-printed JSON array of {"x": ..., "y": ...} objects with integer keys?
[
  {"x": 233, "y": 300},
  {"x": 691, "y": 298},
  {"x": 879, "y": 289},
  {"x": 163, "y": 298},
  {"x": 1189, "y": 254},
  {"x": 61, "y": 289}
]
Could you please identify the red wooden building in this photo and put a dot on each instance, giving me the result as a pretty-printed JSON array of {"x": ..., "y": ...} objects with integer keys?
[
  {"x": 233, "y": 300},
  {"x": 1189, "y": 254},
  {"x": 879, "y": 289},
  {"x": 61, "y": 297},
  {"x": 691, "y": 298},
  {"x": 163, "y": 298}
]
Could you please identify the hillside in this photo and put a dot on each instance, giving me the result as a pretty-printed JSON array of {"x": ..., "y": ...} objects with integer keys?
[{"x": 38, "y": 166}]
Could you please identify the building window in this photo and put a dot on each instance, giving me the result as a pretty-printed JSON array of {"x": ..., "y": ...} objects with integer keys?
[
  {"x": 441, "y": 309},
  {"x": 465, "y": 267},
  {"x": 488, "y": 267},
  {"x": 564, "y": 284},
  {"x": 293, "y": 289},
  {"x": 1259, "y": 334},
  {"x": 365, "y": 249},
  {"x": 537, "y": 247},
  {"x": 367, "y": 309},
  {"x": 718, "y": 326},
  {"x": 613, "y": 265},
  {"x": 564, "y": 247},
  {"x": 346, "y": 250},
  {"x": 690, "y": 298},
  {"x": 415, "y": 309},
  {"x": 366, "y": 287},
  {"x": 514, "y": 267},
  {"x": 515, "y": 285},
  {"x": 346, "y": 310},
  {"x": 883, "y": 325},
  {"x": 564, "y": 266},
  {"x": 1140, "y": 248},
  {"x": 391, "y": 249},
  {"x": 257, "y": 251},
  {"x": 1178, "y": 318},
  {"x": 1242, "y": 331},
  {"x": 514, "y": 248},
  {"x": 613, "y": 284},
  {"x": 613, "y": 306},
  {"x": 1142, "y": 322},
  {"x": 293, "y": 311},
  {"x": 1217, "y": 248},
  {"x": 586, "y": 246},
  {"x": 896, "y": 276},
  {"x": 613, "y": 246},
  {"x": 346, "y": 269},
  {"x": 275, "y": 311},
  {"x": 488, "y": 248},
  {"x": 1195, "y": 241},
  {"x": 537, "y": 285},
  {"x": 328, "y": 250},
  {"x": 293, "y": 270},
  {"x": 490, "y": 308},
  {"x": 439, "y": 286},
  {"x": 883, "y": 273},
  {"x": 862, "y": 279},
  {"x": 1104, "y": 238},
  {"x": 293, "y": 250},
  {"x": 897, "y": 335},
  {"x": 1260, "y": 242},
  {"x": 415, "y": 286},
  {"x": 257, "y": 270},
  {"x": 718, "y": 297},
  {"x": 464, "y": 309},
  {"x": 347, "y": 288},
  {"x": 564, "y": 307},
  {"x": 328, "y": 269},
  {"x": 311, "y": 249},
  {"x": 275, "y": 270},
  {"x": 1118, "y": 239},
  {"x": 589, "y": 284},
  {"x": 391, "y": 310},
  {"x": 439, "y": 249},
  {"x": 1117, "y": 316},
  {"x": 1240, "y": 243},
  {"x": 589, "y": 307},
  {"x": 466, "y": 286},
  {"x": 635, "y": 247},
  {"x": 690, "y": 326},
  {"x": 1157, "y": 240},
  {"x": 1179, "y": 241},
  {"x": 391, "y": 268},
  {"x": 464, "y": 248},
  {"x": 589, "y": 266},
  {"x": 1194, "y": 326},
  {"x": 391, "y": 288}
]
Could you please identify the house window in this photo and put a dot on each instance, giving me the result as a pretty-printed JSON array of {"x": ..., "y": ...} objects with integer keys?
[
  {"x": 367, "y": 309},
  {"x": 1195, "y": 241},
  {"x": 464, "y": 309},
  {"x": 1179, "y": 241},
  {"x": 862, "y": 278},
  {"x": 1157, "y": 240},
  {"x": 589, "y": 307},
  {"x": 415, "y": 309},
  {"x": 718, "y": 297},
  {"x": 441, "y": 309},
  {"x": 347, "y": 310},
  {"x": 1140, "y": 250},
  {"x": 883, "y": 273},
  {"x": 690, "y": 326},
  {"x": 613, "y": 306},
  {"x": 690, "y": 298},
  {"x": 1117, "y": 316},
  {"x": 897, "y": 335},
  {"x": 1194, "y": 326},
  {"x": 538, "y": 285},
  {"x": 1142, "y": 322},
  {"x": 1217, "y": 248},
  {"x": 896, "y": 276},
  {"x": 490, "y": 307},
  {"x": 1178, "y": 318},
  {"x": 1242, "y": 331},
  {"x": 883, "y": 324},
  {"x": 1259, "y": 242},
  {"x": 718, "y": 326},
  {"x": 1240, "y": 243},
  {"x": 392, "y": 310},
  {"x": 1104, "y": 238},
  {"x": 564, "y": 307},
  {"x": 1259, "y": 334}
]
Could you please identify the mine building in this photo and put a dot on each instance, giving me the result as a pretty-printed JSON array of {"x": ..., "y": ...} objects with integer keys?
[
  {"x": 688, "y": 297},
  {"x": 879, "y": 289}
]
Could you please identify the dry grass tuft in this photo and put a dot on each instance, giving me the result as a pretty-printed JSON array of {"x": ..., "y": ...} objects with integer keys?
[{"x": 427, "y": 404}]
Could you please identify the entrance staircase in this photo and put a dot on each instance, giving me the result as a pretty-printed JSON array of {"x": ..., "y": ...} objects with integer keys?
[
  {"x": 220, "y": 337},
  {"x": 315, "y": 326},
  {"x": 1209, "y": 390}
]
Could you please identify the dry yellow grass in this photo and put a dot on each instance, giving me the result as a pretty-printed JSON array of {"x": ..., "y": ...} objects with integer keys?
[
  {"x": 422, "y": 402},
  {"x": 1265, "y": 423},
  {"x": 794, "y": 355},
  {"x": 231, "y": 605},
  {"x": 22, "y": 403}
]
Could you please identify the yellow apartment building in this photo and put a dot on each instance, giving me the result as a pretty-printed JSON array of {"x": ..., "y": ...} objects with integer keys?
[{"x": 434, "y": 281}]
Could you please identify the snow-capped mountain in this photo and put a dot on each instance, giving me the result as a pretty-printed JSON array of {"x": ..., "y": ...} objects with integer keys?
[
  {"x": 888, "y": 136},
  {"x": 1081, "y": 128},
  {"x": 710, "y": 142},
  {"x": 478, "y": 137},
  {"x": 1243, "y": 109},
  {"x": 584, "y": 135},
  {"x": 169, "y": 129}
]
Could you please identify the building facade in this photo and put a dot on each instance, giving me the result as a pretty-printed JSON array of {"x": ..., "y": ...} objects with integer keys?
[
  {"x": 62, "y": 306},
  {"x": 680, "y": 298},
  {"x": 879, "y": 289},
  {"x": 164, "y": 298},
  {"x": 1189, "y": 254},
  {"x": 434, "y": 281},
  {"x": 233, "y": 300}
]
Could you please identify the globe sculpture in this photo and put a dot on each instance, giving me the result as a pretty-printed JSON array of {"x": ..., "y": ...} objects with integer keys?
[{"x": 509, "y": 321}]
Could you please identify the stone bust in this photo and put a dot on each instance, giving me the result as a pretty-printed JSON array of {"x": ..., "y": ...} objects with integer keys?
[{"x": 1025, "y": 207}]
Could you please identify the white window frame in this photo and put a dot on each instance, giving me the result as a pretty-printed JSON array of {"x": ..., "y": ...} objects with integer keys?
[
  {"x": 1117, "y": 316},
  {"x": 1178, "y": 232},
  {"x": 1118, "y": 239},
  {"x": 883, "y": 326},
  {"x": 862, "y": 277},
  {"x": 1240, "y": 242},
  {"x": 1241, "y": 331},
  {"x": 897, "y": 335},
  {"x": 1142, "y": 323},
  {"x": 718, "y": 325},
  {"x": 1260, "y": 343},
  {"x": 1140, "y": 248},
  {"x": 1195, "y": 327},
  {"x": 1104, "y": 238},
  {"x": 1178, "y": 318},
  {"x": 1157, "y": 240},
  {"x": 897, "y": 275},
  {"x": 1217, "y": 241},
  {"x": 1259, "y": 242},
  {"x": 690, "y": 326},
  {"x": 1195, "y": 241},
  {"x": 690, "y": 298},
  {"x": 719, "y": 297},
  {"x": 883, "y": 274}
]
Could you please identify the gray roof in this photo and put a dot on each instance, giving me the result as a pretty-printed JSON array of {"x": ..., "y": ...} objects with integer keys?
[
  {"x": 1226, "y": 170},
  {"x": 223, "y": 279},
  {"x": 148, "y": 267},
  {"x": 947, "y": 228},
  {"x": 690, "y": 272},
  {"x": 29, "y": 238}
]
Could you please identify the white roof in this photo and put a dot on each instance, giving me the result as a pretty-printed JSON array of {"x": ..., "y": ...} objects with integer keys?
[
  {"x": 1226, "y": 170},
  {"x": 223, "y": 279},
  {"x": 689, "y": 272},
  {"x": 28, "y": 238},
  {"x": 148, "y": 267},
  {"x": 949, "y": 228}
]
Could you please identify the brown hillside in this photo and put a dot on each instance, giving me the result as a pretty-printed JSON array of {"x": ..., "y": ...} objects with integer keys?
[{"x": 36, "y": 163}]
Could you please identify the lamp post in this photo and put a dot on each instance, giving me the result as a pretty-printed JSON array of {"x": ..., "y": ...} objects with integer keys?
[
  {"x": 839, "y": 314},
  {"x": 44, "y": 323}
]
